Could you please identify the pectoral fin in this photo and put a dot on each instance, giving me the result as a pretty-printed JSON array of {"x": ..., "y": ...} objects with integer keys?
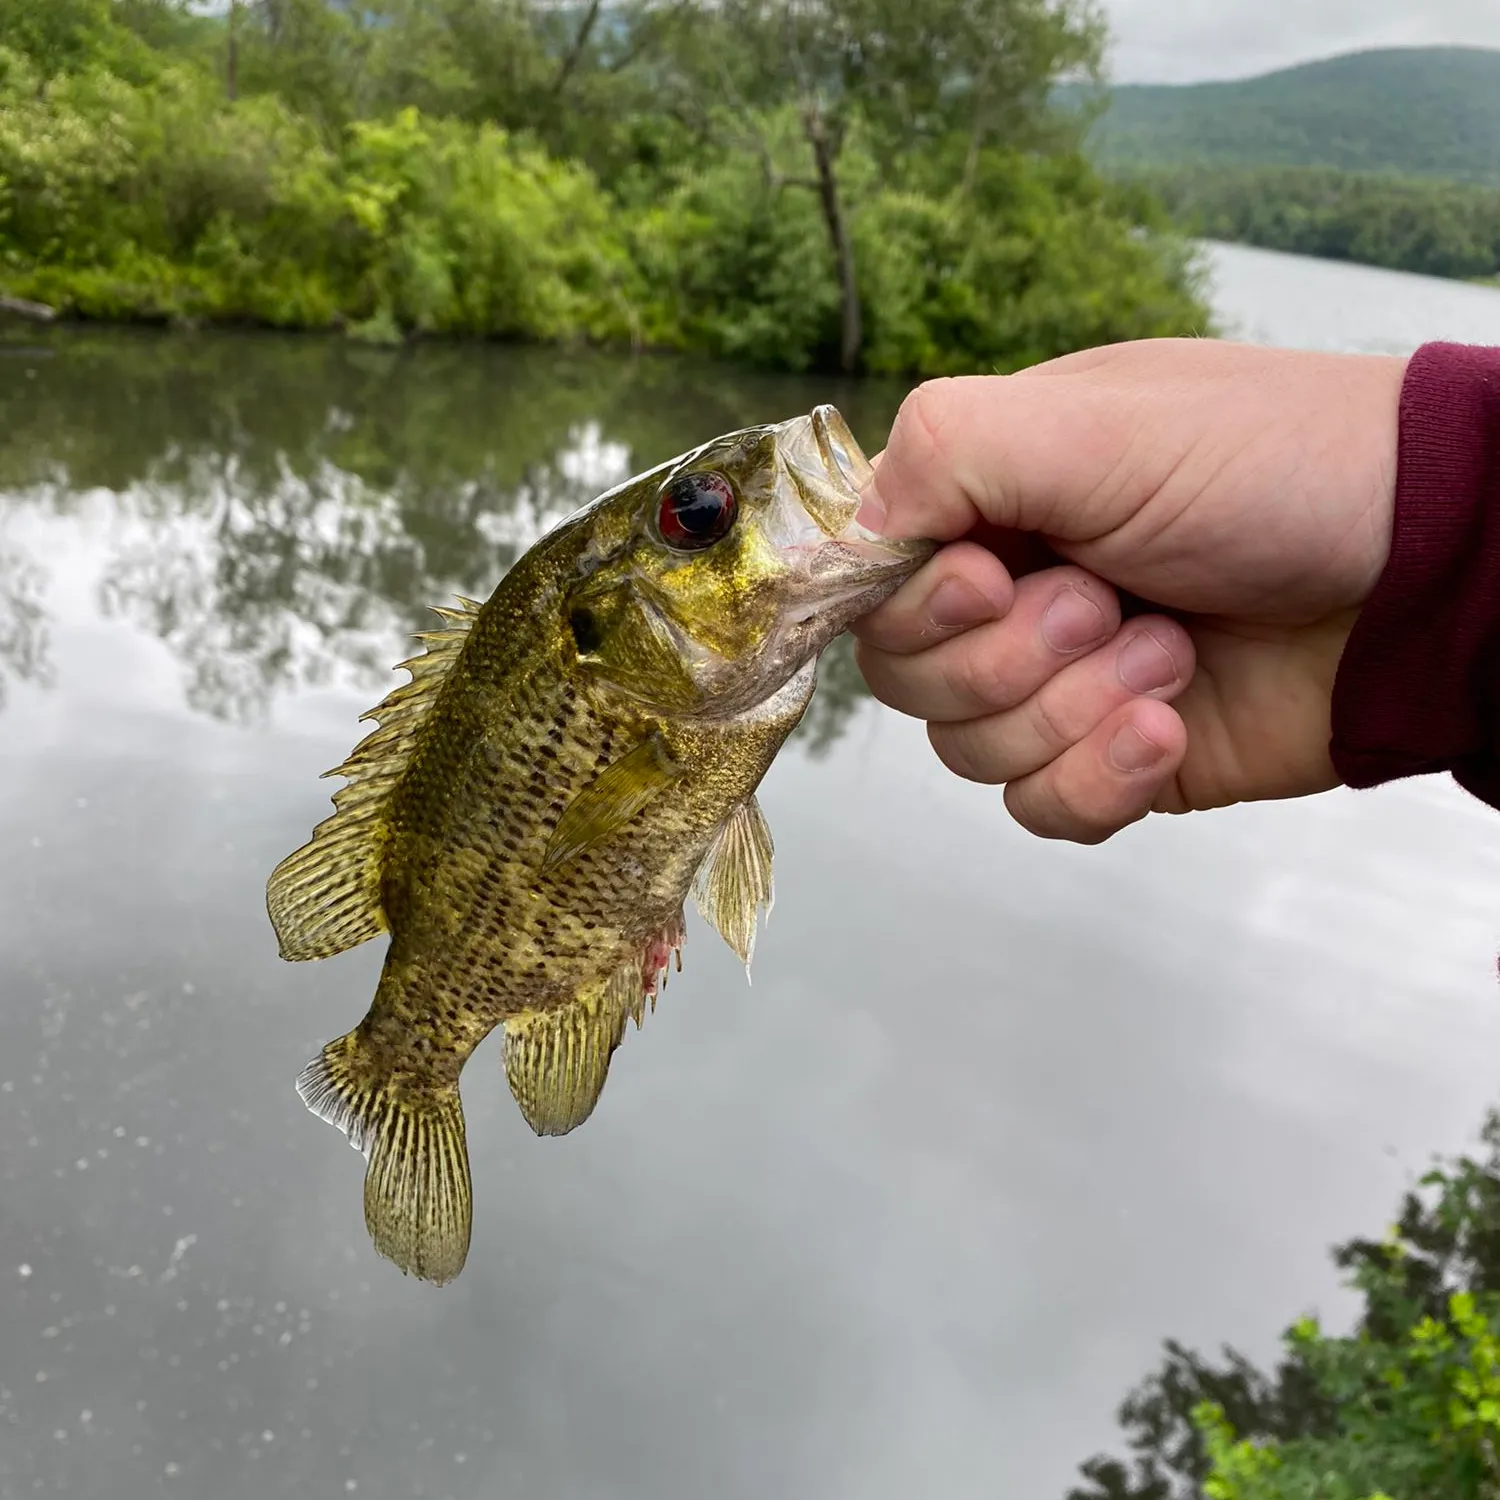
[
  {"x": 556, "y": 1060},
  {"x": 609, "y": 802},
  {"x": 734, "y": 881}
]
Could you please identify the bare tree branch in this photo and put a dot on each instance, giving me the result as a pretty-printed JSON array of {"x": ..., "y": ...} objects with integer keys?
[
  {"x": 575, "y": 52},
  {"x": 647, "y": 32}
]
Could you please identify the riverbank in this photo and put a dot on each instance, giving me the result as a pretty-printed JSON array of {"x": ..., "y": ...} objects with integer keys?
[
  {"x": 420, "y": 226},
  {"x": 144, "y": 179}
]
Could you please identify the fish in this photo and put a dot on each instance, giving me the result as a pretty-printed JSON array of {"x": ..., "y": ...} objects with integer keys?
[{"x": 567, "y": 764}]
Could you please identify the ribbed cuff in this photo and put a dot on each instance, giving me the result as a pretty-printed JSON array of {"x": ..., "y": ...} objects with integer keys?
[{"x": 1417, "y": 687}]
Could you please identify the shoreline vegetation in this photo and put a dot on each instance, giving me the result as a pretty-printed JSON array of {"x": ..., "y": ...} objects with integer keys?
[
  {"x": 1426, "y": 225},
  {"x": 822, "y": 185}
]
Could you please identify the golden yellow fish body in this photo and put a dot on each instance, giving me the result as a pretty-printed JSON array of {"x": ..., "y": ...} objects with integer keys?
[{"x": 539, "y": 800}]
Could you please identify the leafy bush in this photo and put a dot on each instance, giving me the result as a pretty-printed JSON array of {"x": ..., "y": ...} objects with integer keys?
[
  {"x": 464, "y": 232},
  {"x": 1039, "y": 260},
  {"x": 1404, "y": 1407},
  {"x": 118, "y": 201},
  {"x": 1417, "y": 1416},
  {"x": 739, "y": 267}
]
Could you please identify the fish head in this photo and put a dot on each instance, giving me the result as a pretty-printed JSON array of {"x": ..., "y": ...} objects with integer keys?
[{"x": 709, "y": 582}]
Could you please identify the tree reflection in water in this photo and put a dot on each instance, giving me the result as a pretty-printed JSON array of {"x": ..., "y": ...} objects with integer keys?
[
  {"x": 25, "y": 648},
  {"x": 281, "y": 512}
]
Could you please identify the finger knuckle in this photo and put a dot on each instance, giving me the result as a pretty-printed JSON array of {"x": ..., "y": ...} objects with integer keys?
[
  {"x": 961, "y": 750},
  {"x": 919, "y": 426},
  {"x": 1047, "y": 807},
  {"x": 978, "y": 677},
  {"x": 1047, "y": 726}
]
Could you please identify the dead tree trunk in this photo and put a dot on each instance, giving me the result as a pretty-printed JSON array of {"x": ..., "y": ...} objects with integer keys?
[
  {"x": 232, "y": 57},
  {"x": 21, "y": 307},
  {"x": 575, "y": 52},
  {"x": 838, "y": 236}
]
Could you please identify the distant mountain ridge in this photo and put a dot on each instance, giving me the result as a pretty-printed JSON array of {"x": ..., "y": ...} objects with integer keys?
[{"x": 1419, "y": 111}]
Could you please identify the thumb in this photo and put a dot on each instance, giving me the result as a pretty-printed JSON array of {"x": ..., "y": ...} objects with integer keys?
[{"x": 1007, "y": 451}]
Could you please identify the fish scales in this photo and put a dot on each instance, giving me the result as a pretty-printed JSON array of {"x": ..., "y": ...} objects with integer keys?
[{"x": 569, "y": 762}]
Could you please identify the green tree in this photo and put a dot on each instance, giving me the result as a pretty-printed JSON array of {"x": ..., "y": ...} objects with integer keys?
[
  {"x": 1416, "y": 1416},
  {"x": 56, "y": 35},
  {"x": 905, "y": 79},
  {"x": 306, "y": 52},
  {"x": 1404, "y": 1407}
]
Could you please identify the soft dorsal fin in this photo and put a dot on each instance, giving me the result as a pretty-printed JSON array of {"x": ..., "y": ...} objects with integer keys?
[
  {"x": 556, "y": 1060},
  {"x": 325, "y": 897},
  {"x": 611, "y": 800},
  {"x": 734, "y": 880}
]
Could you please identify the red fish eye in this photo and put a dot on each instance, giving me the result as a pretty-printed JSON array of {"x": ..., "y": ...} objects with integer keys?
[{"x": 696, "y": 510}]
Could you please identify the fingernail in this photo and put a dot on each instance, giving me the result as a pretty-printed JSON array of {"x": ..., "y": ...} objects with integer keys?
[
  {"x": 1072, "y": 622},
  {"x": 956, "y": 603},
  {"x": 1130, "y": 750},
  {"x": 871, "y": 512},
  {"x": 1146, "y": 665}
]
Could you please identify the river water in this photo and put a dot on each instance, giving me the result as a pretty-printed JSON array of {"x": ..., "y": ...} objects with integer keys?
[{"x": 907, "y": 1218}]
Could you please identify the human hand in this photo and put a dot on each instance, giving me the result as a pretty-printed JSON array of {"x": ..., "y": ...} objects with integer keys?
[{"x": 1242, "y": 495}]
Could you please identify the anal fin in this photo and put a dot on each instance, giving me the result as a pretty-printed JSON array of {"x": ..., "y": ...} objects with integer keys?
[
  {"x": 734, "y": 880},
  {"x": 556, "y": 1060}
]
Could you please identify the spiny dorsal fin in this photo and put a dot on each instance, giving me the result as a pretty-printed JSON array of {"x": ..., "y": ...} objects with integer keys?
[
  {"x": 325, "y": 897},
  {"x": 556, "y": 1060},
  {"x": 418, "y": 1206},
  {"x": 611, "y": 800},
  {"x": 734, "y": 880}
]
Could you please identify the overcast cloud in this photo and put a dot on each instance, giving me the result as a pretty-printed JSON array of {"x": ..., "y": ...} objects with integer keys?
[{"x": 1183, "y": 41}]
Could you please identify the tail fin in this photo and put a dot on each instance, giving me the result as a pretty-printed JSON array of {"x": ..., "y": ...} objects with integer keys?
[{"x": 417, "y": 1195}]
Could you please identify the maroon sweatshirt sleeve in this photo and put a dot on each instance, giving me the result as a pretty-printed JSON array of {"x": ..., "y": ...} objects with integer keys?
[{"x": 1418, "y": 686}]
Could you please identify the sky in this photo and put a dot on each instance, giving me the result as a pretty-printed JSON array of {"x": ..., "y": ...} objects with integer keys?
[{"x": 1185, "y": 41}]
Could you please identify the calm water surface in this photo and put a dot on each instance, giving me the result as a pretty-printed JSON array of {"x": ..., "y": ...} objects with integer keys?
[{"x": 906, "y": 1218}]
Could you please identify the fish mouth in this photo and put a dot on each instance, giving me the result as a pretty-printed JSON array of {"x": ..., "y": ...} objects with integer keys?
[
  {"x": 842, "y": 455},
  {"x": 848, "y": 471},
  {"x": 846, "y": 569}
]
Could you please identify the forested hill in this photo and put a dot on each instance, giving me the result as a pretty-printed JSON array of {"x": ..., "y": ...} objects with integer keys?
[{"x": 1416, "y": 111}]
